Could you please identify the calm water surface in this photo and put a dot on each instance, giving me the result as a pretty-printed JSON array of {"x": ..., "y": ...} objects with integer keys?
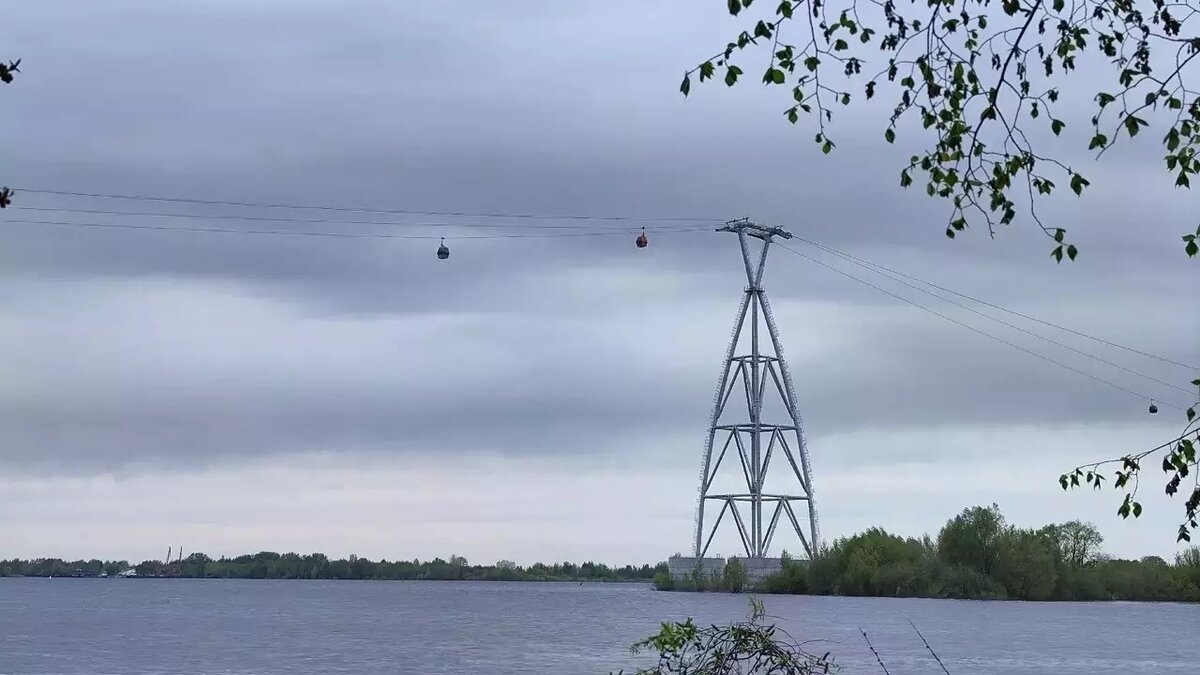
[{"x": 118, "y": 626}]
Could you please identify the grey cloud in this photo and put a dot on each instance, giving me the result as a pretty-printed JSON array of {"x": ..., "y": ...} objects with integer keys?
[{"x": 525, "y": 346}]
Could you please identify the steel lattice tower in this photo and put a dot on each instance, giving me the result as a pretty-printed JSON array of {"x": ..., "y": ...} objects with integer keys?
[{"x": 757, "y": 375}]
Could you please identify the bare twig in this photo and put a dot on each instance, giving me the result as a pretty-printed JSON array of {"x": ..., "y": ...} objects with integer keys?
[
  {"x": 935, "y": 656},
  {"x": 872, "y": 648}
]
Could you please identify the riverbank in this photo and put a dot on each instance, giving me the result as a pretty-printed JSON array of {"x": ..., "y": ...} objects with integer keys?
[
  {"x": 975, "y": 556},
  {"x": 270, "y": 565}
]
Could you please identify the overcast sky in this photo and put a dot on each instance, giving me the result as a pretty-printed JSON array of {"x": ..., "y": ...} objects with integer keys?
[{"x": 529, "y": 398}]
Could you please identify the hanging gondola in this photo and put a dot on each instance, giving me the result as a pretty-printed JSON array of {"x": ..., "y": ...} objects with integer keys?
[
  {"x": 443, "y": 251},
  {"x": 642, "y": 241},
  {"x": 1153, "y": 408}
]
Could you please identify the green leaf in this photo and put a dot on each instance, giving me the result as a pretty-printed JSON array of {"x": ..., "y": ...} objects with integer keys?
[
  {"x": 1098, "y": 141},
  {"x": 1059, "y": 235},
  {"x": 889, "y": 136},
  {"x": 735, "y": 6},
  {"x": 1078, "y": 183},
  {"x": 706, "y": 70},
  {"x": 775, "y": 76},
  {"x": 686, "y": 86},
  {"x": 1072, "y": 251},
  {"x": 1182, "y": 180},
  {"x": 827, "y": 147},
  {"x": 1133, "y": 124},
  {"x": 731, "y": 75},
  {"x": 1137, "y": 510},
  {"x": 840, "y": 46},
  {"x": 1191, "y": 249},
  {"x": 1056, "y": 126},
  {"x": 905, "y": 179},
  {"x": 1057, "y": 254}
]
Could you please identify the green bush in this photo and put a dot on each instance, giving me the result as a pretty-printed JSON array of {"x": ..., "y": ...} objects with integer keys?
[
  {"x": 663, "y": 581},
  {"x": 734, "y": 579}
]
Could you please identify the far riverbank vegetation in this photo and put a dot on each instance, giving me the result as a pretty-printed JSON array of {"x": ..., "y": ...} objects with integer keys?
[
  {"x": 270, "y": 565},
  {"x": 976, "y": 555}
]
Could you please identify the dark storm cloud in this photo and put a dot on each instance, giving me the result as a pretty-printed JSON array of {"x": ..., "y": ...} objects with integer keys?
[{"x": 518, "y": 345}]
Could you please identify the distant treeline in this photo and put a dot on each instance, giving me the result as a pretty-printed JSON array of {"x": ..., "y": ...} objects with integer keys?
[
  {"x": 977, "y": 555},
  {"x": 269, "y": 565}
]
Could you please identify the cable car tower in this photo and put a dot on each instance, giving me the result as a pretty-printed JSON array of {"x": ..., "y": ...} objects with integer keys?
[{"x": 742, "y": 433}]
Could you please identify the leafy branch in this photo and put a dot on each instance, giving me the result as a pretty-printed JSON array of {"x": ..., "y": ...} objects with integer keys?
[
  {"x": 984, "y": 83},
  {"x": 744, "y": 647},
  {"x": 1179, "y": 461},
  {"x": 7, "y": 70}
]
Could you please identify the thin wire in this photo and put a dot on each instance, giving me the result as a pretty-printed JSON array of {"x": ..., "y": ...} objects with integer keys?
[
  {"x": 973, "y": 329},
  {"x": 355, "y": 209},
  {"x": 321, "y": 221},
  {"x": 1003, "y": 309},
  {"x": 871, "y": 268},
  {"x": 337, "y": 235}
]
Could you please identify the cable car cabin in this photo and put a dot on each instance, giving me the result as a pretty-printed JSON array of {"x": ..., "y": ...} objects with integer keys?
[
  {"x": 1153, "y": 409},
  {"x": 642, "y": 241},
  {"x": 443, "y": 252}
]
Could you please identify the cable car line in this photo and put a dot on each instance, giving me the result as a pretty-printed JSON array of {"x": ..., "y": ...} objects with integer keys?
[
  {"x": 319, "y": 221},
  {"x": 973, "y": 329},
  {"x": 641, "y": 242},
  {"x": 356, "y": 209},
  {"x": 340, "y": 235},
  {"x": 1050, "y": 324},
  {"x": 1012, "y": 325}
]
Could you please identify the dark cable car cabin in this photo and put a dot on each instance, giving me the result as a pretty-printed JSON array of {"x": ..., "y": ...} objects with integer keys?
[
  {"x": 642, "y": 241},
  {"x": 1153, "y": 408},
  {"x": 443, "y": 252}
]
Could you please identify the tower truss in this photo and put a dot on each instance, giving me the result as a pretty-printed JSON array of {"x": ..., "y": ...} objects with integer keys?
[{"x": 740, "y": 435}]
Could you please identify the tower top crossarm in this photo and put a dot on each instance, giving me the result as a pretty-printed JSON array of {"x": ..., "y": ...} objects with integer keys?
[{"x": 754, "y": 229}]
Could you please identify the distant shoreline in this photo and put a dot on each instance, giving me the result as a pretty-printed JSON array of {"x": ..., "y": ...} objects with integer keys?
[
  {"x": 465, "y": 581},
  {"x": 271, "y": 565}
]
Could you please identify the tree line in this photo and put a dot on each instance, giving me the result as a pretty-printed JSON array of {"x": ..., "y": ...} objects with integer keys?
[
  {"x": 978, "y": 555},
  {"x": 271, "y": 565}
]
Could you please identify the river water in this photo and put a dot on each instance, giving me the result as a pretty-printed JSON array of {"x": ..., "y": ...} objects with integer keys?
[{"x": 168, "y": 626}]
